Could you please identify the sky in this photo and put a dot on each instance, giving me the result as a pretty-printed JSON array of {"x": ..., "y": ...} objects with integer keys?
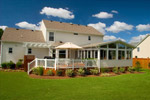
[{"x": 128, "y": 20}]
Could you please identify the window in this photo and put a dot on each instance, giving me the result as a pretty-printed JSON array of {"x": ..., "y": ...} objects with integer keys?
[
  {"x": 10, "y": 50},
  {"x": 89, "y": 37},
  {"x": 138, "y": 49},
  {"x": 96, "y": 53},
  {"x": 121, "y": 54},
  {"x": 103, "y": 54},
  {"x": 75, "y": 33},
  {"x": 121, "y": 46},
  {"x": 62, "y": 54},
  {"x": 89, "y": 54},
  {"x": 129, "y": 54},
  {"x": 113, "y": 45},
  {"x": 29, "y": 50},
  {"x": 51, "y": 36},
  {"x": 54, "y": 55},
  {"x": 104, "y": 46},
  {"x": 112, "y": 54}
]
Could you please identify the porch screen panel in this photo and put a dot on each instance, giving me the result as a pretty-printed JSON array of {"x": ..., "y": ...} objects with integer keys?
[
  {"x": 112, "y": 54},
  {"x": 103, "y": 54},
  {"x": 121, "y": 54}
]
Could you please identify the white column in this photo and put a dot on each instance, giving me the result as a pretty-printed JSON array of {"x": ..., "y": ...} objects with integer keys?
[
  {"x": 98, "y": 56},
  {"x": 91, "y": 54},
  {"x": 94, "y": 53},
  {"x": 125, "y": 52},
  {"x": 45, "y": 64},
  {"x": 116, "y": 51},
  {"x": 84, "y": 54},
  {"x": 78, "y": 56},
  {"x": 81, "y": 54},
  {"x": 57, "y": 53},
  {"x": 66, "y": 53},
  {"x": 87, "y": 54},
  {"x": 107, "y": 52},
  {"x": 1, "y": 52}
]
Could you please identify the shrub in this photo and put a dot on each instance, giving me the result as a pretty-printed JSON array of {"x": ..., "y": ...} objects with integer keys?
[
  {"x": 19, "y": 64},
  {"x": 81, "y": 72},
  {"x": 4, "y": 65},
  {"x": 131, "y": 69},
  {"x": 40, "y": 71},
  {"x": 59, "y": 72},
  {"x": 138, "y": 66},
  {"x": 69, "y": 72},
  {"x": 94, "y": 71},
  {"x": 105, "y": 70},
  {"x": 87, "y": 72},
  {"x": 116, "y": 70},
  {"x": 37, "y": 70},
  {"x": 11, "y": 65},
  {"x": 122, "y": 70},
  {"x": 149, "y": 65},
  {"x": 50, "y": 72}
]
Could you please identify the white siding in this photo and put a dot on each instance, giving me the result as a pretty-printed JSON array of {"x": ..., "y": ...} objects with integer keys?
[
  {"x": 43, "y": 29},
  {"x": 144, "y": 49},
  {"x": 116, "y": 63},
  {"x": 40, "y": 52},
  {"x": 80, "y": 39},
  {"x": 18, "y": 52}
]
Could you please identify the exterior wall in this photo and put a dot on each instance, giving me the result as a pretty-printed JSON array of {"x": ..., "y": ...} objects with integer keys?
[
  {"x": 40, "y": 52},
  {"x": 79, "y": 39},
  {"x": 115, "y": 63},
  {"x": 18, "y": 52},
  {"x": 144, "y": 49},
  {"x": 43, "y": 29}
]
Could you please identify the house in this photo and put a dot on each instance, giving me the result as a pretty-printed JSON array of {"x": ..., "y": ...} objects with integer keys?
[
  {"x": 83, "y": 42},
  {"x": 142, "y": 49}
]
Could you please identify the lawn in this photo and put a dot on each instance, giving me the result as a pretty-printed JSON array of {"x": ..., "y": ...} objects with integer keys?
[{"x": 19, "y": 86}]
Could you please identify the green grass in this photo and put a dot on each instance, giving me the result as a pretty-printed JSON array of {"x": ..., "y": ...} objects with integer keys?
[{"x": 19, "y": 86}]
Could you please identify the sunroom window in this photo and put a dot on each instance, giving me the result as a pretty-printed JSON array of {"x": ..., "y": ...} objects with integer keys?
[
  {"x": 112, "y": 54},
  {"x": 121, "y": 54},
  {"x": 113, "y": 45},
  {"x": 129, "y": 53},
  {"x": 121, "y": 46},
  {"x": 103, "y": 54},
  {"x": 62, "y": 54}
]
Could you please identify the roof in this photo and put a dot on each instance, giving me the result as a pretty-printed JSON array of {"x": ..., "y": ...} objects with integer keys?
[
  {"x": 143, "y": 40},
  {"x": 69, "y": 27},
  {"x": 68, "y": 45},
  {"x": 105, "y": 43},
  {"x": 22, "y": 35}
]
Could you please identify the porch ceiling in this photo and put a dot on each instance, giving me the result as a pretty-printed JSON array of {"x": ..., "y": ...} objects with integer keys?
[{"x": 37, "y": 45}]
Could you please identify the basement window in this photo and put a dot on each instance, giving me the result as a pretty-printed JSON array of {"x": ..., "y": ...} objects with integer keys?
[
  {"x": 29, "y": 50},
  {"x": 10, "y": 50},
  {"x": 75, "y": 33}
]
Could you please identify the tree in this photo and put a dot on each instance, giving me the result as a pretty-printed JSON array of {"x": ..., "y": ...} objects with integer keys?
[{"x": 1, "y": 33}]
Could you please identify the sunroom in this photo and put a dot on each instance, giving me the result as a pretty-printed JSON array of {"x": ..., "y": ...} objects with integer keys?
[{"x": 109, "y": 54}]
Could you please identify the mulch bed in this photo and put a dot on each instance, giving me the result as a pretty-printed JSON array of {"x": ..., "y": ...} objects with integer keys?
[
  {"x": 66, "y": 77},
  {"x": 12, "y": 70}
]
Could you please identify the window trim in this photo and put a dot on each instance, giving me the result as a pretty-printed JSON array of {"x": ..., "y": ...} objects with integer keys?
[
  {"x": 30, "y": 49},
  {"x": 10, "y": 50},
  {"x": 51, "y": 36}
]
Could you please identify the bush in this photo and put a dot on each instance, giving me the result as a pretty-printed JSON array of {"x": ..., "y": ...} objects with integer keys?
[
  {"x": 131, "y": 69},
  {"x": 37, "y": 70},
  {"x": 149, "y": 65},
  {"x": 87, "y": 72},
  {"x": 94, "y": 71},
  {"x": 69, "y": 72},
  {"x": 122, "y": 70},
  {"x": 4, "y": 65},
  {"x": 81, "y": 72},
  {"x": 40, "y": 71},
  {"x": 59, "y": 72},
  {"x": 50, "y": 72},
  {"x": 19, "y": 64},
  {"x": 116, "y": 70},
  {"x": 11, "y": 65},
  {"x": 138, "y": 66},
  {"x": 105, "y": 70}
]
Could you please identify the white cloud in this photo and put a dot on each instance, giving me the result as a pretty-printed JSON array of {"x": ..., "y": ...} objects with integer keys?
[
  {"x": 112, "y": 38},
  {"x": 103, "y": 15},
  {"x": 3, "y": 27},
  {"x": 99, "y": 26},
  {"x": 114, "y": 11},
  {"x": 57, "y": 12},
  {"x": 27, "y": 25},
  {"x": 119, "y": 26},
  {"x": 137, "y": 38},
  {"x": 142, "y": 27}
]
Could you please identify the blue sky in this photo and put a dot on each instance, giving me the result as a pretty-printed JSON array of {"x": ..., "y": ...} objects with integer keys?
[{"x": 129, "y": 21}]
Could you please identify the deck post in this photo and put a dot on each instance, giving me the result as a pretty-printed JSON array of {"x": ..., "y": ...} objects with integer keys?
[
  {"x": 98, "y": 59},
  {"x": 55, "y": 63},
  {"x": 45, "y": 64},
  {"x": 36, "y": 62},
  {"x": 28, "y": 69}
]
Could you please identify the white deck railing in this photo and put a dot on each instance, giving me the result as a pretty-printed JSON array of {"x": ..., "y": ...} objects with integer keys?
[{"x": 62, "y": 63}]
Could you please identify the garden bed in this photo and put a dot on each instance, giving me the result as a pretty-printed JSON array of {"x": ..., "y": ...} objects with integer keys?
[{"x": 110, "y": 74}]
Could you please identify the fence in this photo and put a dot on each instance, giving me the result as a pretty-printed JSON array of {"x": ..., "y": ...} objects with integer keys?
[
  {"x": 62, "y": 63},
  {"x": 144, "y": 62}
]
